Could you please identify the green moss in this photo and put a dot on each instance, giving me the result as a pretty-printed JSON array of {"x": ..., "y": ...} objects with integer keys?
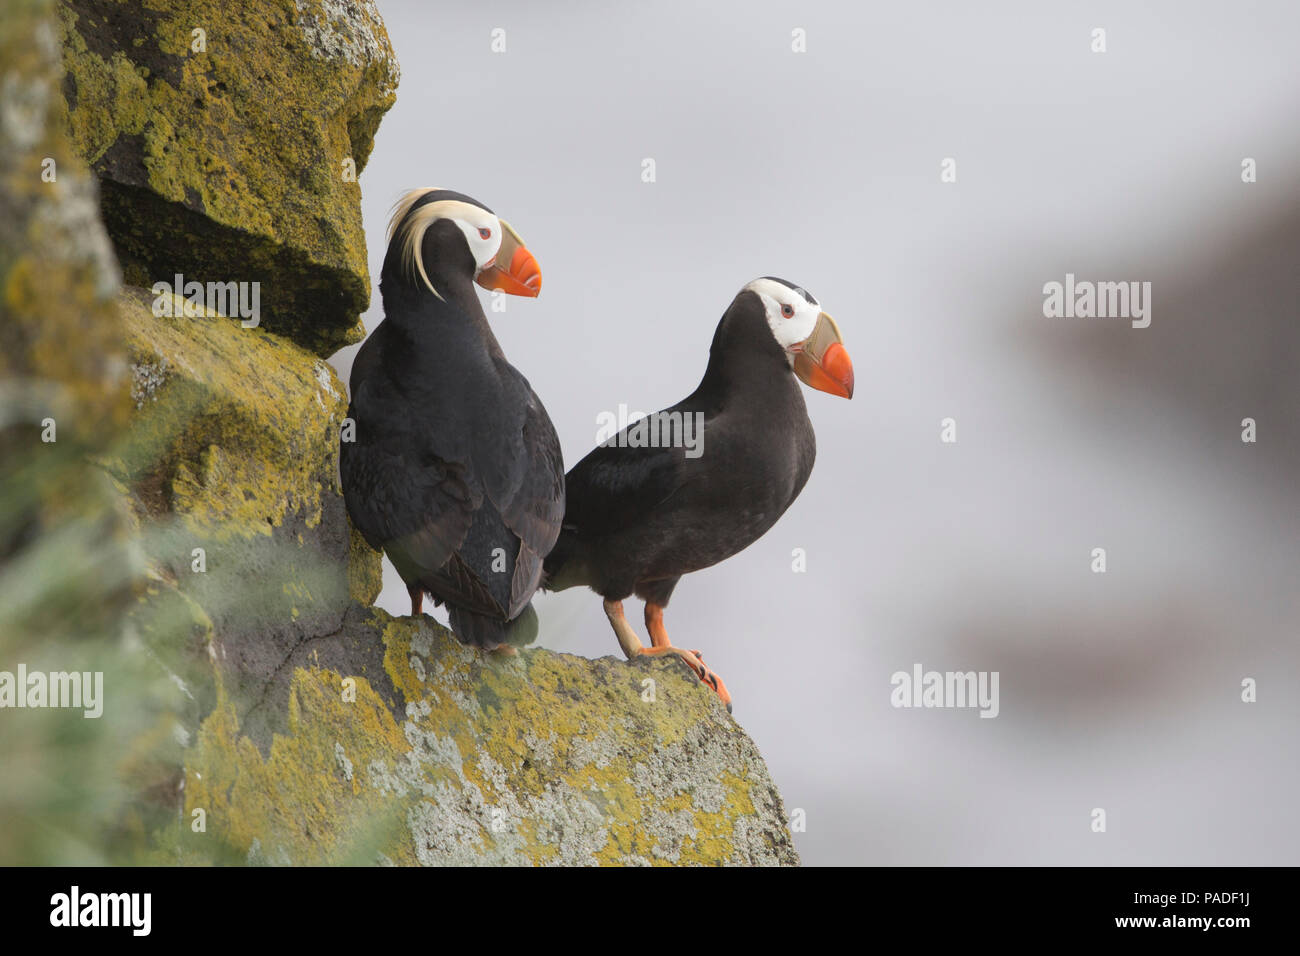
[
  {"x": 242, "y": 433},
  {"x": 68, "y": 570},
  {"x": 567, "y": 765},
  {"x": 239, "y": 148},
  {"x": 365, "y": 570},
  {"x": 298, "y": 801},
  {"x": 307, "y": 728},
  {"x": 57, "y": 275},
  {"x": 111, "y": 98}
]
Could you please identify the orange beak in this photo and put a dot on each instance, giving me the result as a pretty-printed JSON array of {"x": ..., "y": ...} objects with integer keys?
[
  {"x": 513, "y": 270},
  {"x": 822, "y": 362}
]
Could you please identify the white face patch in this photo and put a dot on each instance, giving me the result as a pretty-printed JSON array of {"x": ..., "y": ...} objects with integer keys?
[
  {"x": 790, "y": 316},
  {"x": 481, "y": 229}
]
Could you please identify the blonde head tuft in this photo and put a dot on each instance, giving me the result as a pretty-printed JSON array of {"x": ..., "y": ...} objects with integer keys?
[{"x": 409, "y": 229}]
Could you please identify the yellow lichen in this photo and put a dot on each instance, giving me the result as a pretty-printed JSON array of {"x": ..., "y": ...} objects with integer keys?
[
  {"x": 249, "y": 447},
  {"x": 261, "y": 144},
  {"x": 299, "y": 806}
]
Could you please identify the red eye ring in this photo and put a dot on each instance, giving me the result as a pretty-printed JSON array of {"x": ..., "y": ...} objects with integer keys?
[
  {"x": 787, "y": 311},
  {"x": 485, "y": 233}
]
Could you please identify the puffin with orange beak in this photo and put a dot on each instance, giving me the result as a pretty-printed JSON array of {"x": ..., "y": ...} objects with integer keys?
[
  {"x": 453, "y": 468},
  {"x": 702, "y": 480}
]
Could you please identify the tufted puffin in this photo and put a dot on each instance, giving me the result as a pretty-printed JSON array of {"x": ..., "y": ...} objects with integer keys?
[
  {"x": 455, "y": 469},
  {"x": 646, "y": 506}
]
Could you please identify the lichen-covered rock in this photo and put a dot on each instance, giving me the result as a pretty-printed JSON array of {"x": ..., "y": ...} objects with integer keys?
[
  {"x": 58, "y": 276},
  {"x": 436, "y": 754},
  {"x": 69, "y": 567},
  {"x": 188, "y": 538},
  {"x": 58, "y": 280},
  {"x": 232, "y": 459},
  {"x": 227, "y": 140}
]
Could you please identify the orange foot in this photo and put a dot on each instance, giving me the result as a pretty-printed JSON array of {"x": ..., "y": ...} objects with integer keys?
[
  {"x": 654, "y": 625},
  {"x": 632, "y": 646},
  {"x": 693, "y": 660}
]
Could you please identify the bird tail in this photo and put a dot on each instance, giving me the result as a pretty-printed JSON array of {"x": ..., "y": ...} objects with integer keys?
[
  {"x": 557, "y": 564},
  {"x": 479, "y": 630}
]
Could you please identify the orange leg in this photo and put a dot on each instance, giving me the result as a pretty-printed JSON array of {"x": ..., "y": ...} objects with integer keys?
[
  {"x": 654, "y": 624},
  {"x": 658, "y": 632},
  {"x": 661, "y": 646}
]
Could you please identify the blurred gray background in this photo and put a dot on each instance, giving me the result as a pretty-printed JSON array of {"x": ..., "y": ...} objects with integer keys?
[{"x": 1119, "y": 690}]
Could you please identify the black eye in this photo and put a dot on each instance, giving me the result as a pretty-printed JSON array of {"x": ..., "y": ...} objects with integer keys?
[
  {"x": 485, "y": 233},
  {"x": 787, "y": 311}
]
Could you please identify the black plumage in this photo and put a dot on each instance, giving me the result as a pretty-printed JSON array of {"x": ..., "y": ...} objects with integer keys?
[
  {"x": 455, "y": 470},
  {"x": 639, "y": 518}
]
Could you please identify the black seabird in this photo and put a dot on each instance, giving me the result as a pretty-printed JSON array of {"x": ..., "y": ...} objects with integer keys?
[
  {"x": 455, "y": 470},
  {"x": 642, "y": 510}
]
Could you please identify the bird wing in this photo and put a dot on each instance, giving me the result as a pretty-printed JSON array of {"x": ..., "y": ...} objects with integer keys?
[
  {"x": 409, "y": 502},
  {"x": 408, "y": 492},
  {"x": 529, "y": 488},
  {"x": 616, "y": 487},
  {"x": 478, "y": 469}
]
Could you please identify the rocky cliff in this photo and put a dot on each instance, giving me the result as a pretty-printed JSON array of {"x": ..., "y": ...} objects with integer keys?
[{"x": 181, "y": 530}]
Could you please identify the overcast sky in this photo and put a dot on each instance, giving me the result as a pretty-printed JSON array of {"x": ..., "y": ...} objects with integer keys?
[{"x": 1118, "y": 690}]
